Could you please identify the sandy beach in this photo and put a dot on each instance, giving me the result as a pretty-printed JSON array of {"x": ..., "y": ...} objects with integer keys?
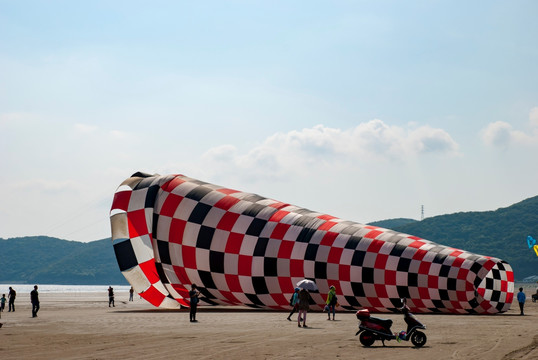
[{"x": 82, "y": 326}]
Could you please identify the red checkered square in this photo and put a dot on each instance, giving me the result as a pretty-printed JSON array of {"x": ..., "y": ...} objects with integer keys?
[
  {"x": 170, "y": 205},
  {"x": 344, "y": 271},
  {"x": 233, "y": 245},
  {"x": 280, "y": 231},
  {"x": 149, "y": 269},
  {"x": 381, "y": 261},
  {"x": 285, "y": 249},
  {"x": 227, "y": 202},
  {"x": 172, "y": 184},
  {"x": 326, "y": 226},
  {"x": 228, "y": 221},
  {"x": 245, "y": 265},
  {"x": 153, "y": 296},
  {"x": 137, "y": 223},
  {"x": 334, "y": 255},
  {"x": 189, "y": 256},
  {"x": 177, "y": 227},
  {"x": 279, "y": 215},
  {"x": 328, "y": 238},
  {"x": 121, "y": 200}
]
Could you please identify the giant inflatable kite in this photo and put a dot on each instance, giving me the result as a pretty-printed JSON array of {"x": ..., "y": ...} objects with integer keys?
[{"x": 239, "y": 248}]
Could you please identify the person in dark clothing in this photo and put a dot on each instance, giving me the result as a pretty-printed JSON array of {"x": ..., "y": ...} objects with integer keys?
[
  {"x": 521, "y": 300},
  {"x": 193, "y": 294},
  {"x": 34, "y": 298},
  {"x": 11, "y": 295},
  {"x": 294, "y": 303},
  {"x": 111, "y": 296}
]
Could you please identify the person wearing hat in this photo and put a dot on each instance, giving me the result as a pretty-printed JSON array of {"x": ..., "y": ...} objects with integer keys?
[
  {"x": 294, "y": 301},
  {"x": 331, "y": 302}
]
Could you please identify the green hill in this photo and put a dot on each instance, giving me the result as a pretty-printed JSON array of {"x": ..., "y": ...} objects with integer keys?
[
  {"x": 501, "y": 233},
  {"x": 46, "y": 260},
  {"x": 392, "y": 223}
]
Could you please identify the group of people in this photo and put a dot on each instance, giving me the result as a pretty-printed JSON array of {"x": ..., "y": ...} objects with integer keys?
[
  {"x": 34, "y": 299},
  {"x": 111, "y": 296},
  {"x": 300, "y": 302},
  {"x": 12, "y": 294}
]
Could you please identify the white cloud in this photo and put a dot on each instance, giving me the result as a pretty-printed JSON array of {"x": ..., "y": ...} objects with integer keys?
[
  {"x": 221, "y": 153},
  {"x": 498, "y": 134},
  {"x": 301, "y": 151},
  {"x": 501, "y": 134},
  {"x": 429, "y": 140}
]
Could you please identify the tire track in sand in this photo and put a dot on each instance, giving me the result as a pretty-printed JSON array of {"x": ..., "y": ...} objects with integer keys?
[{"x": 527, "y": 352}]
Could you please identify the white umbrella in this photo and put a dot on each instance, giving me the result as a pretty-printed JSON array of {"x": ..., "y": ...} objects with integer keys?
[{"x": 308, "y": 285}]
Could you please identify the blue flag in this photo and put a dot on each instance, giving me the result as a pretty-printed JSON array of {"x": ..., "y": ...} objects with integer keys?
[{"x": 531, "y": 241}]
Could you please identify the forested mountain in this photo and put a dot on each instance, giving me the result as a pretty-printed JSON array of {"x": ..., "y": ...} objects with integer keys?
[
  {"x": 501, "y": 233},
  {"x": 46, "y": 260},
  {"x": 392, "y": 223}
]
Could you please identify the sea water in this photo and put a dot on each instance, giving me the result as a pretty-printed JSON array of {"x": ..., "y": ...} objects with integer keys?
[{"x": 50, "y": 288}]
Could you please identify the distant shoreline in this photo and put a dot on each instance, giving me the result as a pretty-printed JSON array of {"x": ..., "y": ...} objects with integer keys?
[{"x": 55, "y": 288}]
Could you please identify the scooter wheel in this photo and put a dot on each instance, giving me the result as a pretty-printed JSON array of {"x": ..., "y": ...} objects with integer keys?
[
  {"x": 367, "y": 338},
  {"x": 418, "y": 338}
]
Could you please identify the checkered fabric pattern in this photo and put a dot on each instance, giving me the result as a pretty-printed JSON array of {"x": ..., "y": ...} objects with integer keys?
[{"x": 240, "y": 248}]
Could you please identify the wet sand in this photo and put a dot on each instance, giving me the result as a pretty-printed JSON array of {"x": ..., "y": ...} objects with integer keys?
[{"x": 82, "y": 326}]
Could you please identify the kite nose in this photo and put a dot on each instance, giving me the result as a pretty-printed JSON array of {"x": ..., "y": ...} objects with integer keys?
[{"x": 496, "y": 290}]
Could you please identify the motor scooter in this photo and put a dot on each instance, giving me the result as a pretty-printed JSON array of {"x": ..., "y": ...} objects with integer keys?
[{"x": 372, "y": 329}]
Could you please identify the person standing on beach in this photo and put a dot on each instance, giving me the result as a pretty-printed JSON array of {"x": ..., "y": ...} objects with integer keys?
[
  {"x": 304, "y": 306},
  {"x": 131, "y": 292},
  {"x": 111, "y": 296},
  {"x": 11, "y": 296},
  {"x": 193, "y": 294},
  {"x": 331, "y": 302},
  {"x": 521, "y": 299},
  {"x": 3, "y": 303},
  {"x": 294, "y": 303},
  {"x": 34, "y": 298}
]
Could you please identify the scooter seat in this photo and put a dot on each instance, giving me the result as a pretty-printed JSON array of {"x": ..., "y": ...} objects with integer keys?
[{"x": 386, "y": 323}]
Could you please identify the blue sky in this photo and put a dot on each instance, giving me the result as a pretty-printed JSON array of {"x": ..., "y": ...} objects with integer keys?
[{"x": 364, "y": 110}]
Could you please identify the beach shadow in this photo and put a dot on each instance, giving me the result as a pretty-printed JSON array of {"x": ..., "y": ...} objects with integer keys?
[
  {"x": 203, "y": 310},
  {"x": 395, "y": 347},
  {"x": 144, "y": 311}
]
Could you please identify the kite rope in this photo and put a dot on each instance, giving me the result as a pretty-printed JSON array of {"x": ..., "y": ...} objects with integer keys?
[{"x": 81, "y": 211}]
